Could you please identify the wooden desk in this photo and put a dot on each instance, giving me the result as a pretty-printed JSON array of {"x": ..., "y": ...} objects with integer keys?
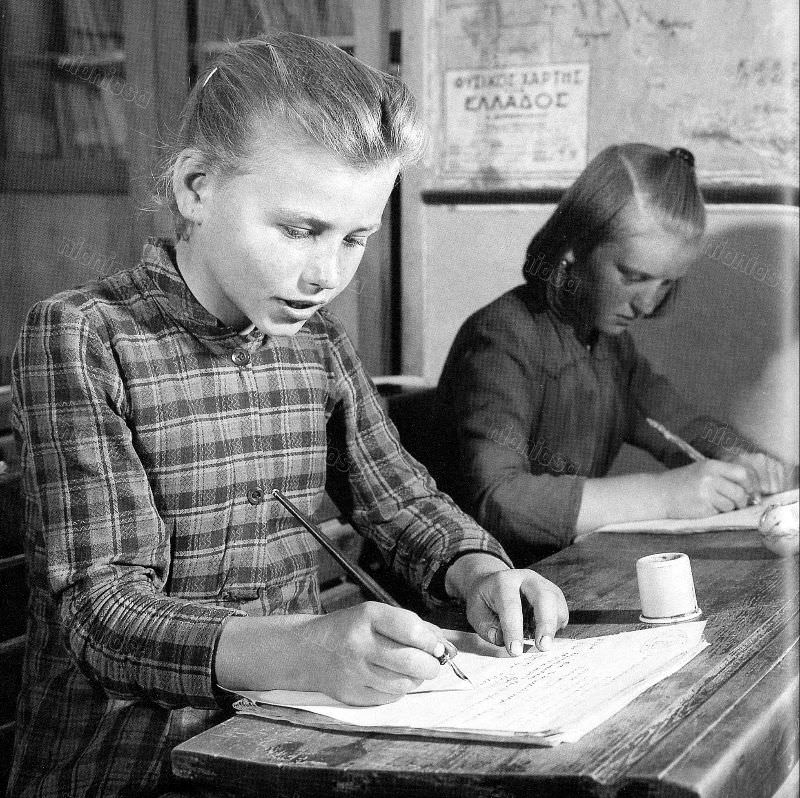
[{"x": 724, "y": 726}]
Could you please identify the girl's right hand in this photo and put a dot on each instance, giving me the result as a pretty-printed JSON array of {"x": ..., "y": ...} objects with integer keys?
[
  {"x": 371, "y": 653},
  {"x": 706, "y": 488}
]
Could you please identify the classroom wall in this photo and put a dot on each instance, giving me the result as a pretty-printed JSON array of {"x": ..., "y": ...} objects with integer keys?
[{"x": 52, "y": 242}]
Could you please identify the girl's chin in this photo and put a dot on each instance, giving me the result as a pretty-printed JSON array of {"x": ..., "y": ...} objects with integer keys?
[
  {"x": 273, "y": 328},
  {"x": 284, "y": 323}
]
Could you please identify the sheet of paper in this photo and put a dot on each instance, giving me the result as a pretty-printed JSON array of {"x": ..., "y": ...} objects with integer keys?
[
  {"x": 747, "y": 518},
  {"x": 446, "y": 681},
  {"x": 557, "y": 695}
]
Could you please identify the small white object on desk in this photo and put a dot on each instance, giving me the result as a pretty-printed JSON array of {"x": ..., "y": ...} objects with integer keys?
[
  {"x": 779, "y": 528},
  {"x": 666, "y": 588}
]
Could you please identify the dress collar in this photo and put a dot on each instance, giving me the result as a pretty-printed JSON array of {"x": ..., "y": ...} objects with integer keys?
[
  {"x": 578, "y": 340},
  {"x": 158, "y": 258}
]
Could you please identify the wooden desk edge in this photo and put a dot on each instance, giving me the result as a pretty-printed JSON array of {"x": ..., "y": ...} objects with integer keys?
[
  {"x": 248, "y": 779},
  {"x": 765, "y": 690},
  {"x": 719, "y": 762}
]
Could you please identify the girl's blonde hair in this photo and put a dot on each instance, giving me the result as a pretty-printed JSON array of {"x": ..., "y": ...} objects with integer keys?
[
  {"x": 364, "y": 116},
  {"x": 594, "y": 209}
]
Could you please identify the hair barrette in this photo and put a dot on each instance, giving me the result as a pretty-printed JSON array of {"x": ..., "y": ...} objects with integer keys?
[
  {"x": 209, "y": 76},
  {"x": 683, "y": 154}
]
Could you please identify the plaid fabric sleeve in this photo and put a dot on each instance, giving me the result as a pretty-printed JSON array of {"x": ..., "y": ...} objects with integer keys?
[
  {"x": 396, "y": 503},
  {"x": 106, "y": 549}
]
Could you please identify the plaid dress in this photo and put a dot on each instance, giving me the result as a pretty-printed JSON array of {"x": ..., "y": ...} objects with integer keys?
[{"x": 151, "y": 437}]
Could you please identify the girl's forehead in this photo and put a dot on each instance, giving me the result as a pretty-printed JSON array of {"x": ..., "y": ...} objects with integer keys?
[
  {"x": 655, "y": 251},
  {"x": 302, "y": 180}
]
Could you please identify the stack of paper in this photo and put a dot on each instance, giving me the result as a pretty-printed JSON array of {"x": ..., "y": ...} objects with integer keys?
[
  {"x": 544, "y": 698},
  {"x": 746, "y": 518}
]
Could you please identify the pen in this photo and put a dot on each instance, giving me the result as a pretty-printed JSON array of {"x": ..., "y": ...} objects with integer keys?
[
  {"x": 362, "y": 576},
  {"x": 687, "y": 448}
]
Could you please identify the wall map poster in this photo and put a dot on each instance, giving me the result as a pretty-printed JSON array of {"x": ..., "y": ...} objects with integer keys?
[
  {"x": 524, "y": 92},
  {"x": 528, "y": 123}
]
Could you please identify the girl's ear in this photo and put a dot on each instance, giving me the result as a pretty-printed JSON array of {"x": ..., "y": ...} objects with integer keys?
[{"x": 191, "y": 185}]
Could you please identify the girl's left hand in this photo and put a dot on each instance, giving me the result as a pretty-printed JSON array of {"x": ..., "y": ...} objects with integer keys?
[
  {"x": 493, "y": 593},
  {"x": 771, "y": 474}
]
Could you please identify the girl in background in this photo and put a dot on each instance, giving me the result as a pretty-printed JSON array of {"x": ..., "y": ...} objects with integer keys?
[{"x": 543, "y": 386}]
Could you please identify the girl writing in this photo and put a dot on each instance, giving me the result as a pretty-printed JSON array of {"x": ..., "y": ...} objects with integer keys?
[
  {"x": 157, "y": 408},
  {"x": 542, "y": 387}
]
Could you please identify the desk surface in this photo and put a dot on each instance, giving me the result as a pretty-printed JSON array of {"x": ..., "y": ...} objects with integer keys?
[{"x": 725, "y": 725}]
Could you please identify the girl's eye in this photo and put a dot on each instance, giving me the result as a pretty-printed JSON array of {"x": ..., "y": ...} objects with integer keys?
[
  {"x": 629, "y": 276},
  {"x": 297, "y": 232},
  {"x": 355, "y": 241}
]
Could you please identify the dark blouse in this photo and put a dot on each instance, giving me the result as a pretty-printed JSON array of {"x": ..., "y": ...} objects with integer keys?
[{"x": 532, "y": 412}]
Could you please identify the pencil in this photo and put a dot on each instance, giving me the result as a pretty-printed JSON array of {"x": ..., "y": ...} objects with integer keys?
[
  {"x": 686, "y": 448},
  {"x": 361, "y": 576}
]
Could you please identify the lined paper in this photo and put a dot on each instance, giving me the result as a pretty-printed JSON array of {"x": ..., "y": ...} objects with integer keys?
[
  {"x": 545, "y": 697},
  {"x": 746, "y": 518}
]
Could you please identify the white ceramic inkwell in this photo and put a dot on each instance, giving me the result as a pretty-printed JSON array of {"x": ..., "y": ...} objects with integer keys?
[{"x": 666, "y": 588}]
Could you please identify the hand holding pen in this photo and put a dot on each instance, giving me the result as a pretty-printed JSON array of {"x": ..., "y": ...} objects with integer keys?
[
  {"x": 374, "y": 653},
  {"x": 371, "y": 653},
  {"x": 442, "y": 649},
  {"x": 766, "y": 473},
  {"x": 711, "y": 486}
]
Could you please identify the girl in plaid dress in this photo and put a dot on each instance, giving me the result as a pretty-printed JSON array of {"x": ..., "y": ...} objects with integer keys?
[{"x": 157, "y": 408}]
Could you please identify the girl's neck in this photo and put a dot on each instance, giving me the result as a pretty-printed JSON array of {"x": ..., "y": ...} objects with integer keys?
[{"x": 210, "y": 297}]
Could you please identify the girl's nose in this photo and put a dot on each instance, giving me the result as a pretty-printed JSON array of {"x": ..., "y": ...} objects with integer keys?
[
  {"x": 321, "y": 272},
  {"x": 645, "y": 300}
]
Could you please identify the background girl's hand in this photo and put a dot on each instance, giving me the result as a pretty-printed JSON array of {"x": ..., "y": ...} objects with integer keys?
[
  {"x": 707, "y": 488},
  {"x": 370, "y": 654},
  {"x": 770, "y": 474}
]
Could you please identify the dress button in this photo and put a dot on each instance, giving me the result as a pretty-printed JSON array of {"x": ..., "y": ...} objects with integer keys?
[
  {"x": 255, "y": 496},
  {"x": 240, "y": 357}
]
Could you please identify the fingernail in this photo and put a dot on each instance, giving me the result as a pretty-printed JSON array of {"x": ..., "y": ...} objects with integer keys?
[
  {"x": 438, "y": 650},
  {"x": 515, "y": 648},
  {"x": 450, "y": 648},
  {"x": 492, "y": 635},
  {"x": 545, "y": 643}
]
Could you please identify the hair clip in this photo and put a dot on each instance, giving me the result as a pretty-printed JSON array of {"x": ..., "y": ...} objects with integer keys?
[
  {"x": 680, "y": 152},
  {"x": 209, "y": 76}
]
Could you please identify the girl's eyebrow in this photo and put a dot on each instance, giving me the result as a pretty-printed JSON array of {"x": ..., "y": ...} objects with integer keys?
[{"x": 316, "y": 223}]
